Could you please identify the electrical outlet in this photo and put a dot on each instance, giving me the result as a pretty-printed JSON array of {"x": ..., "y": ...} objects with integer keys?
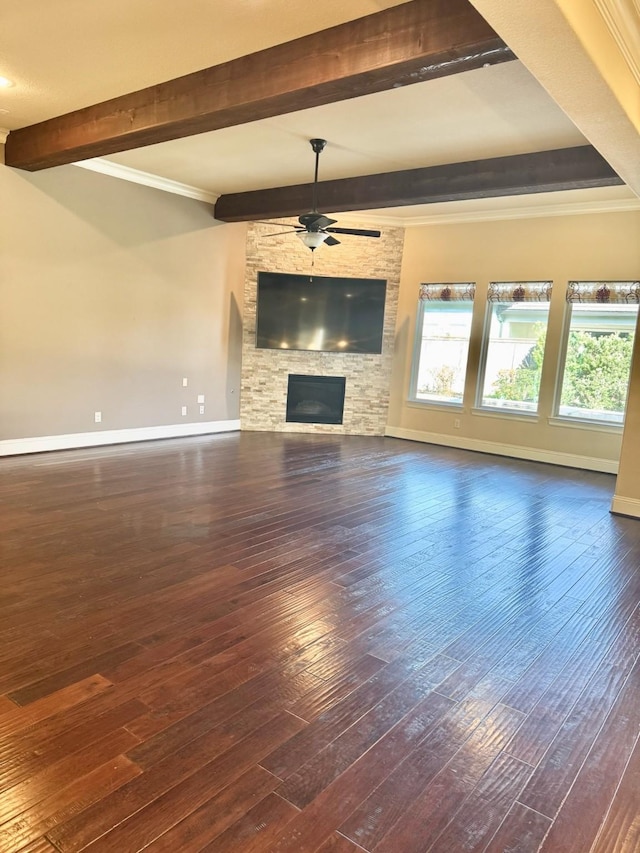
[
  {"x": 185, "y": 381},
  {"x": 201, "y": 398},
  {"x": 97, "y": 416},
  {"x": 184, "y": 411},
  {"x": 456, "y": 423},
  {"x": 202, "y": 410}
]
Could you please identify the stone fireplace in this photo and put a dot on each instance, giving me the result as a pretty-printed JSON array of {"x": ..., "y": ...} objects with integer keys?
[{"x": 366, "y": 377}]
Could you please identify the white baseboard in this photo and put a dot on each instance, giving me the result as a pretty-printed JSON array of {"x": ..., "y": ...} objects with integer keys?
[
  {"x": 533, "y": 454},
  {"x": 626, "y": 506},
  {"x": 39, "y": 444}
]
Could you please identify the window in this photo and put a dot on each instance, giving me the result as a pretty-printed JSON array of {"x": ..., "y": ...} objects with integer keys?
[
  {"x": 442, "y": 342},
  {"x": 600, "y": 328},
  {"x": 513, "y": 345}
]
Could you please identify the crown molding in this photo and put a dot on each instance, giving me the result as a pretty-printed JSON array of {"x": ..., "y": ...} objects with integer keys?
[
  {"x": 4, "y": 132},
  {"x": 136, "y": 176},
  {"x": 622, "y": 18},
  {"x": 126, "y": 173},
  {"x": 537, "y": 212}
]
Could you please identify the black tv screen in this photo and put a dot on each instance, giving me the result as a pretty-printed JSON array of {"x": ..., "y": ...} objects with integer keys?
[{"x": 302, "y": 312}]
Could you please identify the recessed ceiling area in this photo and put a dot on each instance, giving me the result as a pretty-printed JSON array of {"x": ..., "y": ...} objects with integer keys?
[
  {"x": 489, "y": 112},
  {"x": 106, "y": 50}
]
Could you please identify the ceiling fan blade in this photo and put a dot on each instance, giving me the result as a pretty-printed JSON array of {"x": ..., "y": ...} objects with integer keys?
[
  {"x": 278, "y": 233},
  {"x": 283, "y": 224},
  {"x": 315, "y": 221},
  {"x": 331, "y": 241},
  {"x": 360, "y": 232}
]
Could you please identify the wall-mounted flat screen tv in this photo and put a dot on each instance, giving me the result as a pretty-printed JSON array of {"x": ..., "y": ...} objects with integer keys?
[{"x": 302, "y": 312}]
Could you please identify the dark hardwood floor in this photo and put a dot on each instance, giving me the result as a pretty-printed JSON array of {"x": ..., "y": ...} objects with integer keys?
[{"x": 260, "y": 642}]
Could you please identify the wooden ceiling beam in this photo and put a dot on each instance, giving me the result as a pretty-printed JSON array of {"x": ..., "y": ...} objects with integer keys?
[
  {"x": 415, "y": 41},
  {"x": 520, "y": 174}
]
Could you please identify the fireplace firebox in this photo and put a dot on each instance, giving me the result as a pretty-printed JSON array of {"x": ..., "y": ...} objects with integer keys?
[{"x": 315, "y": 399}]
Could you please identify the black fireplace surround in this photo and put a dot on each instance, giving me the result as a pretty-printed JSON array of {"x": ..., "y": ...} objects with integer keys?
[{"x": 315, "y": 399}]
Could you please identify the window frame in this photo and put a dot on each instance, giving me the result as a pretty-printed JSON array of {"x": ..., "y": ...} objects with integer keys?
[
  {"x": 498, "y": 287},
  {"x": 412, "y": 398},
  {"x": 558, "y": 419}
]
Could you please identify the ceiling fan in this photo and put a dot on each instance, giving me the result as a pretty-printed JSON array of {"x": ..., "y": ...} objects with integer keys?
[{"x": 315, "y": 228}]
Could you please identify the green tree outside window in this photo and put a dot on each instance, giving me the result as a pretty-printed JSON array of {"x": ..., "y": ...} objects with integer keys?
[{"x": 596, "y": 373}]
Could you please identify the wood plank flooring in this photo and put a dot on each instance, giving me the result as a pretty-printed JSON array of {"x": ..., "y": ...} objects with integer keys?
[{"x": 264, "y": 642}]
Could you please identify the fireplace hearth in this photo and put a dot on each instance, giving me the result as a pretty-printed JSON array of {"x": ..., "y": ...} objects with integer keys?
[{"x": 315, "y": 399}]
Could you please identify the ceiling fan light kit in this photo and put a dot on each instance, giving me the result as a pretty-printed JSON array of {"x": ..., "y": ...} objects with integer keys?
[
  {"x": 312, "y": 239},
  {"x": 315, "y": 228}
]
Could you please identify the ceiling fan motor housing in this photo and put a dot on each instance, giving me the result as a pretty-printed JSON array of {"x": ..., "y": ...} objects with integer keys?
[
  {"x": 314, "y": 221},
  {"x": 318, "y": 145}
]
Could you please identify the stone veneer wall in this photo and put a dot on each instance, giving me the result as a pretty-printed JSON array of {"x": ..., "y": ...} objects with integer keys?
[{"x": 265, "y": 372}]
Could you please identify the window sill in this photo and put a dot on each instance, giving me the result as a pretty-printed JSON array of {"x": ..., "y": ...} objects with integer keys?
[
  {"x": 509, "y": 414},
  {"x": 577, "y": 423},
  {"x": 435, "y": 406}
]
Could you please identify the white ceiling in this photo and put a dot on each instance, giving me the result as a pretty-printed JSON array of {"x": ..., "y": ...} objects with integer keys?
[
  {"x": 72, "y": 53},
  {"x": 490, "y": 112}
]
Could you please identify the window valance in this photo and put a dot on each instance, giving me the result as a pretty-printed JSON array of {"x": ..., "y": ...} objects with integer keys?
[
  {"x": 448, "y": 292},
  {"x": 604, "y": 292},
  {"x": 519, "y": 291}
]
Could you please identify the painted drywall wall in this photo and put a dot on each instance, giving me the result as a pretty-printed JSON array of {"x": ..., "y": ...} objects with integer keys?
[
  {"x": 603, "y": 246},
  {"x": 111, "y": 293},
  {"x": 627, "y": 494}
]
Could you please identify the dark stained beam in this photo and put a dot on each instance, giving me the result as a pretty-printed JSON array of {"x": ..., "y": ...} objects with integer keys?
[
  {"x": 541, "y": 172},
  {"x": 415, "y": 41}
]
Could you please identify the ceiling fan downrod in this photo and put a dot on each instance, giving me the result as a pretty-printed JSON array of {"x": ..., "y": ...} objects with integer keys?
[{"x": 318, "y": 146}]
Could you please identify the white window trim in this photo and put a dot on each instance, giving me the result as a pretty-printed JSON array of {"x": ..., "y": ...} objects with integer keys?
[
  {"x": 510, "y": 414},
  {"x": 412, "y": 399},
  {"x": 482, "y": 361},
  {"x": 575, "y": 421},
  {"x": 479, "y": 408},
  {"x": 562, "y": 359},
  {"x": 585, "y": 423},
  {"x": 415, "y": 357},
  {"x": 436, "y": 405}
]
